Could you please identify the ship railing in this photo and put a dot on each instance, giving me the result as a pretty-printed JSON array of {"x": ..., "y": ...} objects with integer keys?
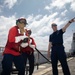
[{"x": 38, "y": 54}]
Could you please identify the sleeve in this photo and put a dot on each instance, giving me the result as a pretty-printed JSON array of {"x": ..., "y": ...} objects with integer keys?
[
  {"x": 61, "y": 31},
  {"x": 11, "y": 40},
  {"x": 12, "y": 35},
  {"x": 33, "y": 42}
]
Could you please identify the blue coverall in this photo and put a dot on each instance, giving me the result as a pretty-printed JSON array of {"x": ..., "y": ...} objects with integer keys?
[{"x": 58, "y": 53}]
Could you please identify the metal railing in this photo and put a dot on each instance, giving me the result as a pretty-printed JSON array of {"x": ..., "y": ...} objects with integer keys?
[
  {"x": 38, "y": 58},
  {"x": 43, "y": 55}
]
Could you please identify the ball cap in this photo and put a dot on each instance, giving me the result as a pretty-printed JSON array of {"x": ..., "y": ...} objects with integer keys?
[
  {"x": 53, "y": 24},
  {"x": 22, "y": 20}
]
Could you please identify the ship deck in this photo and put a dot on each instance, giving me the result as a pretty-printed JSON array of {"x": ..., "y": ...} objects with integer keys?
[{"x": 46, "y": 69}]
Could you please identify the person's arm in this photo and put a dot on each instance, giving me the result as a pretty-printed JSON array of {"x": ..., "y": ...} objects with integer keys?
[
  {"x": 49, "y": 47},
  {"x": 68, "y": 24},
  {"x": 11, "y": 40}
]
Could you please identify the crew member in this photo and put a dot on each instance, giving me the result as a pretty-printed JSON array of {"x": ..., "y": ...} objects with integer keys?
[
  {"x": 28, "y": 51},
  {"x": 12, "y": 50},
  {"x": 57, "y": 52}
]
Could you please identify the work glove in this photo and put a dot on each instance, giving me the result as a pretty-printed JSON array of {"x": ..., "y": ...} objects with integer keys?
[
  {"x": 23, "y": 45},
  {"x": 19, "y": 38},
  {"x": 32, "y": 46}
]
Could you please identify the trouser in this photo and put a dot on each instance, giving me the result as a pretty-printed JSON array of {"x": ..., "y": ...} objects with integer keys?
[
  {"x": 58, "y": 53},
  {"x": 30, "y": 57},
  {"x": 7, "y": 61}
]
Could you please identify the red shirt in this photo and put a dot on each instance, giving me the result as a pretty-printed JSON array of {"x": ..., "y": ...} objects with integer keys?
[
  {"x": 11, "y": 46},
  {"x": 28, "y": 48}
]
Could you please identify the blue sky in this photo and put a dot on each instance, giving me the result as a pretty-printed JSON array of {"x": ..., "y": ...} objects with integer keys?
[{"x": 39, "y": 14}]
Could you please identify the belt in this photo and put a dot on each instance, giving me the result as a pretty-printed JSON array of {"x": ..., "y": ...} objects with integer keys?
[
  {"x": 16, "y": 50},
  {"x": 28, "y": 52},
  {"x": 57, "y": 44}
]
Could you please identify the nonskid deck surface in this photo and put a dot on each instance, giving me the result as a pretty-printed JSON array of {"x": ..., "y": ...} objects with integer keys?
[{"x": 46, "y": 69}]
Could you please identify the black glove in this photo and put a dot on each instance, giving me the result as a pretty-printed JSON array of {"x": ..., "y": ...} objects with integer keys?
[{"x": 25, "y": 40}]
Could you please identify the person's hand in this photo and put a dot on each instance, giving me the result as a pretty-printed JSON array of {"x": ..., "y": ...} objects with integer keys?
[
  {"x": 72, "y": 20},
  {"x": 25, "y": 40},
  {"x": 32, "y": 46}
]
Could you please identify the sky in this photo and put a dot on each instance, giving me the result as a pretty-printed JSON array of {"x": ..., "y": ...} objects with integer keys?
[{"x": 40, "y": 14}]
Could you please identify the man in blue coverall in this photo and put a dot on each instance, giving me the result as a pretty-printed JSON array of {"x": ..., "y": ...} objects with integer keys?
[{"x": 57, "y": 52}]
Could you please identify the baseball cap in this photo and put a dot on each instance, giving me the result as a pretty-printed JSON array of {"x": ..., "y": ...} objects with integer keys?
[{"x": 22, "y": 20}]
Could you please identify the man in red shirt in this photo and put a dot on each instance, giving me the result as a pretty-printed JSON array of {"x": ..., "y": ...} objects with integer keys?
[
  {"x": 28, "y": 51},
  {"x": 12, "y": 49}
]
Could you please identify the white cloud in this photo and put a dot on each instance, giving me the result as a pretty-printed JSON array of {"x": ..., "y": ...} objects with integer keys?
[
  {"x": 64, "y": 12},
  {"x": 73, "y": 5},
  {"x": 1, "y": 8},
  {"x": 47, "y": 7},
  {"x": 44, "y": 31},
  {"x": 5, "y": 24},
  {"x": 10, "y": 3},
  {"x": 67, "y": 42},
  {"x": 32, "y": 18},
  {"x": 39, "y": 22},
  {"x": 60, "y": 4},
  {"x": 41, "y": 28}
]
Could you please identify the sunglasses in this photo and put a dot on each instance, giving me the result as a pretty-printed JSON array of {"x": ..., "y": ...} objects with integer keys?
[{"x": 22, "y": 22}]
